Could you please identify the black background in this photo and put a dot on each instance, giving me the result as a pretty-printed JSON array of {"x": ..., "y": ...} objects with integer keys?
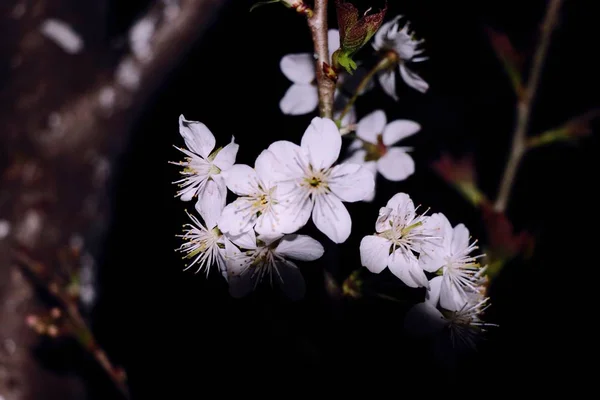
[{"x": 179, "y": 333}]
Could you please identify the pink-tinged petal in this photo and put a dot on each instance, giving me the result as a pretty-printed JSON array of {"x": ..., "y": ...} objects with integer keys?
[
  {"x": 332, "y": 218},
  {"x": 402, "y": 202},
  {"x": 351, "y": 182},
  {"x": 371, "y": 125},
  {"x": 300, "y": 247},
  {"x": 460, "y": 239},
  {"x": 287, "y": 160},
  {"x": 333, "y": 37},
  {"x": 211, "y": 201},
  {"x": 298, "y": 68},
  {"x": 241, "y": 180},
  {"x": 374, "y": 253},
  {"x": 398, "y": 130},
  {"x": 198, "y": 138},
  {"x": 406, "y": 267},
  {"x": 413, "y": 80},
  {"x": 291, "y": 281},
  {"x": 423, "y": 319},
  {"x": 387, "y": 80},
  {"x": 237, "y": 218},
  {"x": 226, "y": 156},
  {"x": 433, "y": 294},
  {"x": 396, "y": 165},
  {"x": 451, "y": 297},
  {"x": 299, "y": 99},
  {"x": 322, "y": 143}
]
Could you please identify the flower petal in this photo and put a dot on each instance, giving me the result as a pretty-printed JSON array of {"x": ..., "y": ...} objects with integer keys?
[
  {"x": 265, "y": 167},
  {"x": 402, "y": 202},
  {"x": 241, "y": 180},
  {"x": 387, "y": 80},
  {"x": 371, "y": 125},
  {"x": 396, "y": 165},
  {"x": 374, "y": 253},
  {"x": 371, "y": 166},
  {"x": 225, "y": 158},
  {"x": 332, "y": 218},
  {"x": 246, "y": 240},
  {"x": 433, "y": 294},
  {"x": 237, "y": 217},
  {"x": 451, "y": 298},
  {"x": 355, "y": 145},
  {"x": 460, "y": 239},
  {"x": 398, "y": 130},
  {"x": 299, "y": 68},
  {"x": 291, "y": 280},
  {"x": 211, "y": 201},
  {"x": 413, "y": 80},
  {"x": 321, "y": 142},
  {"x": 406, "y": 267},
  {"x": 351, "y": 182},
  {"x": 299, "y": 99},
  {"x": 286, "y": 159},
  {"x": 423, "y": 319},
  {"x": 300, "y": 247},
  {"x": 198, "y": 138},
  {"x": 293, "y": 209}
]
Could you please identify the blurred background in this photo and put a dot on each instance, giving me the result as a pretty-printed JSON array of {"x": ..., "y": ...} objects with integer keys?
[{"x": 86, "y": 147}]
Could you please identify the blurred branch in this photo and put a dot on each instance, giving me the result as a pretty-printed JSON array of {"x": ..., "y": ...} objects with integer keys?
[
  {"x": 524, "y": 106},
  {"x": 66, "y": 117},
  {"x": 573, "y": 129}
]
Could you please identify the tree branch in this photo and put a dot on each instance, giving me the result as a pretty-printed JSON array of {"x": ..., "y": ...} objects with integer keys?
[
  {"x": 524, "y": 107},
  {"x": 326, "y": 87}
]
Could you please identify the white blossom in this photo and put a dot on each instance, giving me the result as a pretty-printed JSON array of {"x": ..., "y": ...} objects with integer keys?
[
  {"x": 259, "y": 205},
  {"x": 402, "y": 43},
  {"x": 203, "y": 167},
  {"x": 375, "y": 148},
  {"x": 400, "y": 236},
  {"x": 63, "y": 35},
  {"x": 310, "y": 184},
  {"x": 269, "y": 258},
  {"x": 460, "y": 270}
]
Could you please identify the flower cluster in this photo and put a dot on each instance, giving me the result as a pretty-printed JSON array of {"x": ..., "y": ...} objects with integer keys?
[{"x": 411, "y": 245}]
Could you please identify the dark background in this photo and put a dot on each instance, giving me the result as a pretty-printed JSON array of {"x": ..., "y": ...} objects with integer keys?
[{"x": 176, "y": 332}]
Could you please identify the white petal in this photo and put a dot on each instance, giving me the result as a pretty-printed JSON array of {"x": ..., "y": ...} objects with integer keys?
[
  {"x": 406, "y": 268},
  {"x": 299, "y": 99},
  {"x": 351, "y": 182},
  {"x": 357, "y": 157},
  {"x": 387, "y": 80},
  {"x": 333, "y": 36},
  {"x": 460, "y": 239},
  {"x": 423, "y": 319},
  {"x": 291, "y": 281},
  {"x": 226, "y": 156},
  {"x": 371, "y": 125},
  {"x": 237, "y": 218},
  {"x": 374, "y": 253},
  {"x": 357, "y": 144},
  {"x": 398, "y": 130},
  {"x": 300, "y": 247},
  {"x": 287, "y": 160},
  {"x": 433, "y": 294},
  {"x": 189, "y": 192},
  {"x": 322, "y": 143},
  {"x": 246, "y": 240},
  {"x": 401, "y": 201},
  {"x": 198, "y": 138},
  {"x": 413, "y": 80},
  {"x": 331, "y": 217},
  {"x": 293, "y": 210},
  {"x": 267, "y": 223},
  {"x": 396, "y": 165},
  {"x": 211, "y": 201},
  {"x": 241, "y": 180},
  {"x": 451, "y": 298},
  {"x": 265, "y": 167},
  {"x": 383, "y": 219},
  {"x": 298, "y": 68},
  {"x": 371, "y": 166}
]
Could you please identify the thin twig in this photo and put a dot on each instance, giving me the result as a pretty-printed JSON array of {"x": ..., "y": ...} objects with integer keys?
[
  {"x": 524, "y": 106},
  {"x": 318, "y": 28}
]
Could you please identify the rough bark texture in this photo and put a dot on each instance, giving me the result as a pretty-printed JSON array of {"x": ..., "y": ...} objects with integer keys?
[{"x": 65, "y": 118}]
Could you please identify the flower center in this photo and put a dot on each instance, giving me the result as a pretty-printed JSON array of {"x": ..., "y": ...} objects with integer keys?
[
  {"x": 375, "y": 151},
  {"x": 316, "y": 182}
]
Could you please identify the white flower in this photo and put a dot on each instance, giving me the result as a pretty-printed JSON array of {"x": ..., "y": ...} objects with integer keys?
[
  {"x": 302, "y": 97},
  {"x": 400, "y": 235},
  {"x": 308, "y": 183},
  {"x": 375, "y": 149},
  {"x": 268, "y": 258},
  {"x": 405, "y": 47},
  {"x": 203, "y": 167},
  {"x": 205, "y": 244},
  {"x": 259, "y": 206},
  {"x": 460, "y": 271}
]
